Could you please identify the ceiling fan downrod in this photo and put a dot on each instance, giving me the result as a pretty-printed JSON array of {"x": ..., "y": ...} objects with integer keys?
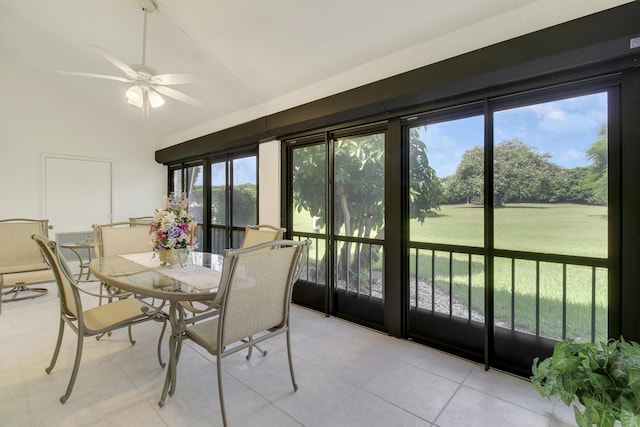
[{"x": 148, "y": 6}]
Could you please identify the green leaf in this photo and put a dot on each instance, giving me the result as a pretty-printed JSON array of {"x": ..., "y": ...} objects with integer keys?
[
  {"x": 627, "y": 416},
  {"x": 603, "y": 377},
  {"x": 581, "y": 419},
  {"x": 599, "y": 414}
]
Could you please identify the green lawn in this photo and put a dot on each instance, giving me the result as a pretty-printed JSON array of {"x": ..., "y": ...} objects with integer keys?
[
  {"x": 548, "y": 228},
  {"x": 554, "y": 228}
]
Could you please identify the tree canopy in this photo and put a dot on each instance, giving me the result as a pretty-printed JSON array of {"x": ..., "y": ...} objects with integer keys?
[
  {"x": 359, "y": 183},
  {"x": 521, "y": 174}
]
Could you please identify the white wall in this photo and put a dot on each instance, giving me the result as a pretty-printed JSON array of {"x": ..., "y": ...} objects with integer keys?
[
  {"x": 269, "y": 183},
  {"x": 532, "y": 16},
  {"x": 39, "y": 118}
]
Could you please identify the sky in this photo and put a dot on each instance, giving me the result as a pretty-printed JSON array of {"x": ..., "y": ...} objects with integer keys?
[
  {"x": 564, "y": 129},
  {"x": 244, "y": 170}
]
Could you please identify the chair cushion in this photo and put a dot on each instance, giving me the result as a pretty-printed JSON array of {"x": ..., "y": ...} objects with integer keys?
[
  {"x": 112, "y": 315},
  {"x": 7, "y": 279},
  {"x": 205, "y": 334},
  {"x": 25, "y": 267}
]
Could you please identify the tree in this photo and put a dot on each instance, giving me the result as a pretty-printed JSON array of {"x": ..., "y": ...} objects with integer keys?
[
  {"x": 358, "y": 184},
  {"x": 426, "y": 191},
  {"x": 520, "y": 175},
  {"x": 467, "y": 184},
  {"x": 244, "y": 204},
  {"x": 598, "y": 178},
  {"x": 588, "y": 184}
]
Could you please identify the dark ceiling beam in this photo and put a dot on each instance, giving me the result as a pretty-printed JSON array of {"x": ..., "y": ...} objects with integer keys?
[{"x": 595, "y": 39}]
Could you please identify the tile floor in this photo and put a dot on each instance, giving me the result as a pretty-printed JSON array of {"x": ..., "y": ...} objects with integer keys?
[{"x": 348, "y": 376}]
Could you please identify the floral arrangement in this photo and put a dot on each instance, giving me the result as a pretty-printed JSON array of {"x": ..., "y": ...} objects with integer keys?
[{"x": 173, "y": 226}]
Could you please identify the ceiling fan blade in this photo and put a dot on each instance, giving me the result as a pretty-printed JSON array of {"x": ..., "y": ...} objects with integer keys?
[
  {"x": 130, "y": 72},
  {"x": 174, "y": 78},
  {"x": 182, "y": 97},
  {"x": 98, "y": 76}
]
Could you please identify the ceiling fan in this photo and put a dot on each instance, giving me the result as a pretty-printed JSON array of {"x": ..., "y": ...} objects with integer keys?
[{"x": 147, "y": 86}]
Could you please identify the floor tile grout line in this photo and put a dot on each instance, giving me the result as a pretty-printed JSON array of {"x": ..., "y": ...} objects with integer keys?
[
  {"x": 511, "y": 402},
  {"x": 444, "y": 407},
  {"x": 346, "y": 331},
  {"x": 388, "y": 401}
]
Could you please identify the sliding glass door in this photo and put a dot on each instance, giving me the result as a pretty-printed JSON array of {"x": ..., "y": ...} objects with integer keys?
[
  {"x": 228, "y": 185},
  {"x": 551, "y": 222},
  {"x": 188, "y": 179},
  {"x": 234, "y": 199},
  {"x": 507, "y": 234},
  {"x": 446, "y": 253},
  {"x": 509, "y": 224},
  {"x": 337, "y": 201}
]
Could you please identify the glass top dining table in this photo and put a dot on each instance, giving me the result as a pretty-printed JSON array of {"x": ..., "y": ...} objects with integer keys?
[{"x": 143, "y": 274}]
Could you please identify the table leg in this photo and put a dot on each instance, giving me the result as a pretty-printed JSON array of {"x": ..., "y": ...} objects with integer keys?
[{"x": 176, "y": 319}]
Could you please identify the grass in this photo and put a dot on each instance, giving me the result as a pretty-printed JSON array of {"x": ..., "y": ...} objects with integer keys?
[
  {"x": 547, "y": 228},
  {"x": 565, "y": 229}
]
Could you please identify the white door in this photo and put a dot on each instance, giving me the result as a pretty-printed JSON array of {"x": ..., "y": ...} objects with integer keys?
[{"x": 77, "y": 192}]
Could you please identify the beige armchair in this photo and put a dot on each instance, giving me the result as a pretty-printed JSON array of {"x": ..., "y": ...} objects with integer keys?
[
  {"x": 253, "y": 302},
  {"x": 256, "y": 234},
  {"x": 21, "y": 263},
  {"x": 94, "y": 321},
  {"x": 120, "y": 238}
]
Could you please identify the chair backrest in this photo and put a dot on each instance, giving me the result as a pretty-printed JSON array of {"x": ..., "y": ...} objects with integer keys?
[
  {"x": 120, "y": 238},
  {"x": 256, "y": 234},
  {"x": 70, "y": 302},
  {"x": 17, "y": 251},
  {"x": 255, "y": 291},
  {"x": 140, "y": 221}
]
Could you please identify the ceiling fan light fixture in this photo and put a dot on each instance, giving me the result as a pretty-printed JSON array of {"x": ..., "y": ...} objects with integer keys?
[
  {"x": 134, "y": 96},
  {"x": 155, "y": 100},
  {"x": 146, "y": 88}
]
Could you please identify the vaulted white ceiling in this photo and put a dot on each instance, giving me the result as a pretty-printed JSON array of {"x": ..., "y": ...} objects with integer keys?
[{"x": 257, "y": 57}]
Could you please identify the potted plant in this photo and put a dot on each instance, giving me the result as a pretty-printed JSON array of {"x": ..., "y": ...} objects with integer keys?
[{"x": 604, "y": 378}]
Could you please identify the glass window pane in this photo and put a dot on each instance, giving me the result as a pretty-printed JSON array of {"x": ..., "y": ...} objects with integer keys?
[
  {"x": 309, "y": 189},
  {"x": 218, "y": 193},
  {"x": 176, "y": 181},
  {"x": 244, "y": 191},
  {"x": 194, "y": 192},
  {"x": 446, "y": 177},
  {"x": 550, "y": 177},
  {"x": 218, "y": 239},
  {"x": 359, "y": 186}
]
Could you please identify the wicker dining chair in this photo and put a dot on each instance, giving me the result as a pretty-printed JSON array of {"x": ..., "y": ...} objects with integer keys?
[{"x": 94, "y": 321}]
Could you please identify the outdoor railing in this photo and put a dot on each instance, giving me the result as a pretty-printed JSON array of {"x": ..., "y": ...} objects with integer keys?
[
  {"x": 357, "y": 264},
  {"x": 552, "y": 296}
]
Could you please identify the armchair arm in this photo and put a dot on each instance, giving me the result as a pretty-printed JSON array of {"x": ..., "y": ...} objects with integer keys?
[{"x": 210, "y": 309}]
